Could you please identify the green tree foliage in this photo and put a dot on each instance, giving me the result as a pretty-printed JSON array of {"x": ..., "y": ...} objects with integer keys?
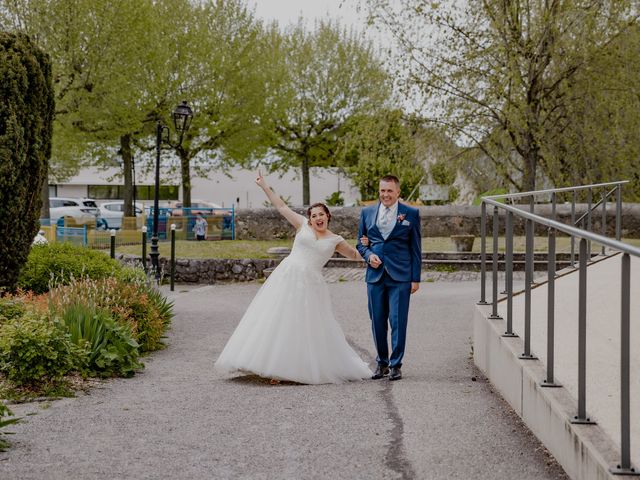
[
  {"x": 601, "y": 143},
  {"x": 319, "y": 80},
  {"x": 442, "y": 173},
  {"x": 378, "y": 145},
  {"x": 222, "y": 76},
  {"x": 504, "y": 75},
  {"x": 26, "y": 118},
  {"x": 123, "y": 65},
  {"x": 80, "y": 43},
  {"x": 112, "y": 72}
]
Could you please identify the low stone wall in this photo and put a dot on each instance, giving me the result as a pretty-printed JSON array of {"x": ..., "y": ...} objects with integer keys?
[
  {"x": 437, "y": 221},
  {"x": 209, "y": 270}
]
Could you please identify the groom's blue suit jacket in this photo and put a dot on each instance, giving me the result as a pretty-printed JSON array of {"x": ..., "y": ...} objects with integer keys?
[{"x": 401, "y": 252}]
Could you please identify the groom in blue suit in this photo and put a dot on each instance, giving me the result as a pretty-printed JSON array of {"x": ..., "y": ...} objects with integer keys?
[{"x": 393, "y": 254}]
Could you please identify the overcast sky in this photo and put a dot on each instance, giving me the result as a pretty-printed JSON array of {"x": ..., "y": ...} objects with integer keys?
[{"x": 288, "y": 11}]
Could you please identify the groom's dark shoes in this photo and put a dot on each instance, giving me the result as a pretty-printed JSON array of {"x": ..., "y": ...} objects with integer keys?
[
  {"x": 381, "y": 371},
  {"x": 395, "y": 374}
]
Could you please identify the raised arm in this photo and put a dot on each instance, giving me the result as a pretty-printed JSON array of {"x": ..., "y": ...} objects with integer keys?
[
  {"x": 292, "y": 217},
  {"x": 346, "y": 250}
]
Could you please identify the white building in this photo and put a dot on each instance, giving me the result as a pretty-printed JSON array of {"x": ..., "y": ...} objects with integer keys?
[{"x": 239, "y": 190}]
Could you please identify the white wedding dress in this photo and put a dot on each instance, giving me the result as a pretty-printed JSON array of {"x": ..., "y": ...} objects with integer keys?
[{"x": 289, "y": 331}]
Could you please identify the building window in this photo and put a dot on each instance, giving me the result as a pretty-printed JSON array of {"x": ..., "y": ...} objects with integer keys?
[
  {"x": 167, "y": 192},
  {"x": 104, "y": 192}
]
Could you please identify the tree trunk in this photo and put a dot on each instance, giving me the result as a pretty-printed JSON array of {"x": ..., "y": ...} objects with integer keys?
[
  {"x": 305, "y": 181},
  {"x": 127, "y": 161},
  {"x": 530, "y": 164},
  {"x": 44, "y": 195},
  {"x": 185, "y": 172}
]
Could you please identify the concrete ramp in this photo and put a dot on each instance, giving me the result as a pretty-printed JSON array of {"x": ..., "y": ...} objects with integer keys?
[{"x": 585, "y": 451}]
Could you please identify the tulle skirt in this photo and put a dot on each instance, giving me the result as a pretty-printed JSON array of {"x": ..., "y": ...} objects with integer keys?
[{"x": 289, "y": 332}]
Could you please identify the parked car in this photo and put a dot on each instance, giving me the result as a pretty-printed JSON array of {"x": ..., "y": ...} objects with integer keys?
[
  {"x": 111, "y": 214},
  {"x": 197, "y": 207},
  {"x": 82, "y": 211}
]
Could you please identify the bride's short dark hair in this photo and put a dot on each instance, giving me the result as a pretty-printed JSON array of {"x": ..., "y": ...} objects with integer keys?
[{"x": 324, "y": 207}]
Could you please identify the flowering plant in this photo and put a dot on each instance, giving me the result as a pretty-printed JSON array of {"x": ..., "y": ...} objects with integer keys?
[{"x": 401, "y": 217}]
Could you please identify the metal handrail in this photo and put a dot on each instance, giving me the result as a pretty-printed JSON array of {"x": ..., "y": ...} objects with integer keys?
[
  {"x": 573, "y": 231},
  {"x": 586, "y": 237},
  {"x": 555, "y": 190},
  {"x": 595, "y": 206}
]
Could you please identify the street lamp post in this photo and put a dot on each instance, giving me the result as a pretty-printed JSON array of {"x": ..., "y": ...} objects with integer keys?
[{"x": 182, "y": 116}]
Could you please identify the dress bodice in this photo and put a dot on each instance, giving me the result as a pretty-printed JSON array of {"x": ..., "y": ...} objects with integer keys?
[{"x": 311, "y": 251}]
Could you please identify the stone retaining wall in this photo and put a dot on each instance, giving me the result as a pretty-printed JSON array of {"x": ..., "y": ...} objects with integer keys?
[
  {"x": 209, "y": 270},
  {"x": 437, "y": 221}
]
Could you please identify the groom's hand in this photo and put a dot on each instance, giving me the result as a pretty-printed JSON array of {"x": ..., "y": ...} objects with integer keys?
[
  {"x": 414, "y": 287},
  {"x": 374, "y": 260}
]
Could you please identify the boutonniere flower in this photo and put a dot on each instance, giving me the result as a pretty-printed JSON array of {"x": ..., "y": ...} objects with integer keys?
[{"x": 401, "y": 217}]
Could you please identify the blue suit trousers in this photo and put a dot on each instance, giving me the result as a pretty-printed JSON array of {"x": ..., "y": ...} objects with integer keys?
[{"x": 389, "y": 305}]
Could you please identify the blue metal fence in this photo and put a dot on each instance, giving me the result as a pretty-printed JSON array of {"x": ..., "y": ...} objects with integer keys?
[
  {"x": 220, "y": 226},
  {"x": 76, "y": 235}
]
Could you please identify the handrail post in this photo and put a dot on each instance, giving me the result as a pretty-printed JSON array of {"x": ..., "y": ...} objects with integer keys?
[
  {"x": 581, "y": 417},
  {"x": 528, "y": 277},
  {"x": 619, "y": 212},
  {"x": 589, "y": 206},
  {"x": 494, "y": 299},
  {"x": 551, "y": 282},
  {"x": 604, "y": 217},
  {"x": 483, "y": 253},
  {"x": 625, "y": 433},
  {"x": 573, "y": 224},
  {"x": 509, "y": 274},
  {"x": 531, "y": 237}
]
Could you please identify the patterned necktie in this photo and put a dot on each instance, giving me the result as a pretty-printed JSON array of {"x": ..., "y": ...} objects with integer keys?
[
  {"x": 385, "y": 225},
  {"x": 385, "y": 216}
]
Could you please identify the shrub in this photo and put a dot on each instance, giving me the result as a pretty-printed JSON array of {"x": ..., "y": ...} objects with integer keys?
[
  {"x": 34, "y": 348},
  {"x": 443, "y": 173},
  {"x": 5, "y": 412},
  {"x": 134, "y": 305},
  {"x": 454, "y": 193},
  {"x": 164, "y": 306},
  {"x": 110, "y": 348},
  {"x": 60, "y": 263},
  {"x": 335, "y": 199},
  {"x": 10, "y": 308}
]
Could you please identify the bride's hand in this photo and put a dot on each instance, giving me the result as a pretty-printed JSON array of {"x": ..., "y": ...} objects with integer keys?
[{"x": 260, "y": 181}]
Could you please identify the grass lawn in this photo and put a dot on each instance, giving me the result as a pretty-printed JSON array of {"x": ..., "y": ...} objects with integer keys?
[{"x": 258, "y": 248}]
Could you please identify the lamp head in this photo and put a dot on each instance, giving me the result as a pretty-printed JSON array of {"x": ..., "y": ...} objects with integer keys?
[{"x": 182, "y": 116}]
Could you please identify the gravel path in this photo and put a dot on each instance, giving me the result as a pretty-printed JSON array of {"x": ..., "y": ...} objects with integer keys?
[{"x": 178, "y": 419}]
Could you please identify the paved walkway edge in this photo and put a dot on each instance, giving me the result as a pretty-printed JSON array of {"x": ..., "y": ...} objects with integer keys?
[{"x": 586, "y": 452}]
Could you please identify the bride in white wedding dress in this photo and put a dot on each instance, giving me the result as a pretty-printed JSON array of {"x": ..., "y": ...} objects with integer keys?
[{"x": 289, "y": 331}]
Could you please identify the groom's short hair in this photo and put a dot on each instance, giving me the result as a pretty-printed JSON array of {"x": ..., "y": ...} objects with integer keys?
[{"x": 391, "y": 178}]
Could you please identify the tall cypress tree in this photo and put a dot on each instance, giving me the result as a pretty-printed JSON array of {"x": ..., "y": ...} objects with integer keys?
[{"x": 26, "y": 123}]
